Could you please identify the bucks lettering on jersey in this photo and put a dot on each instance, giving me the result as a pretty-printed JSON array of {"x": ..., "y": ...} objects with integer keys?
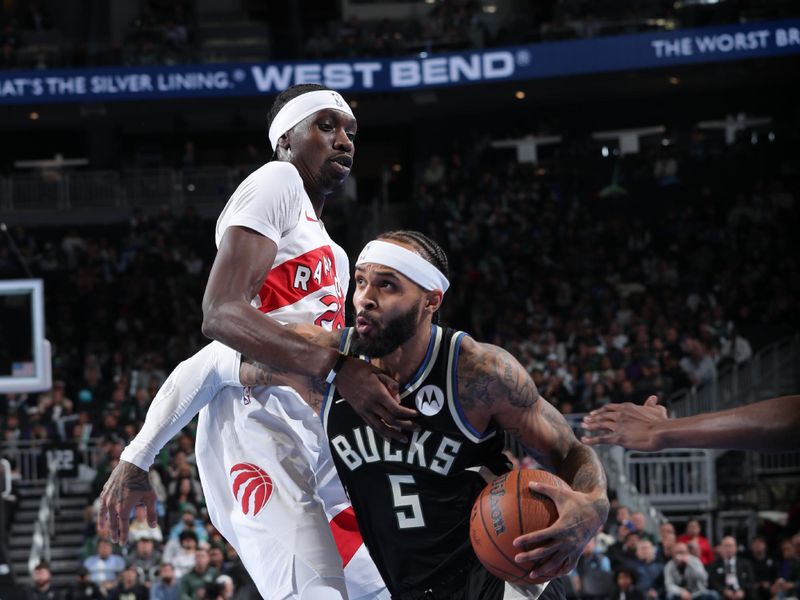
[{"x": 413, "y": 501}]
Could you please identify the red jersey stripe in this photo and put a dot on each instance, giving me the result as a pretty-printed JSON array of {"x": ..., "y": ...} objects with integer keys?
[{"x": 346, "y": 534}]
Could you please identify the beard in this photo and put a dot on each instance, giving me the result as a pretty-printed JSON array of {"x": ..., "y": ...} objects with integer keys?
[
  {"x": 331, "y": 180},
  {"x": 388, "y": 338}
]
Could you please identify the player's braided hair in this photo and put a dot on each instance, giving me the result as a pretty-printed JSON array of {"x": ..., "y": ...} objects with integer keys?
[
  {"x": 290, "y": 93},
  {"x": 425, "y": 247}
]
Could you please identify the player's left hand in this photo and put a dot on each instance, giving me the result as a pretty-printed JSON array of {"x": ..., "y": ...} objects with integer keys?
[{"x": 559, "y": 546}]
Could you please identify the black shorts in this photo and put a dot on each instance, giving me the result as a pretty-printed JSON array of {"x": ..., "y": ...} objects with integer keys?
[
  {"x": 478, "y": 584},
  {"x": 470, "y": 582},
  {"x": 555, "y": 590}
]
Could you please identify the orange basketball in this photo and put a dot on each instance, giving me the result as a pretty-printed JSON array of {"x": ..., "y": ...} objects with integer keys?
[{"x": 503, "y": 511}]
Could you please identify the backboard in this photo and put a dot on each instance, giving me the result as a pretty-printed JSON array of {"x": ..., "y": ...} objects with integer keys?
[{"x": 25, "y": 362}]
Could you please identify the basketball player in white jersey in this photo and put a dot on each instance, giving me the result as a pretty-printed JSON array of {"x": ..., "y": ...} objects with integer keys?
[{"x": 269, "y": 488}]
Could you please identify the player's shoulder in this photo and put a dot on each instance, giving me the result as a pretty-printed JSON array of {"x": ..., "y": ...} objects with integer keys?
[
  {"x": 273, "y": 178},
  {"x": 481, "y": 356},
  {"x": 278, "y": 171}
]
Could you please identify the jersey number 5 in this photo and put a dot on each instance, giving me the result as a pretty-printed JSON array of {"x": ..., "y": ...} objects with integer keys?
[{"x": 407, "y": 507}]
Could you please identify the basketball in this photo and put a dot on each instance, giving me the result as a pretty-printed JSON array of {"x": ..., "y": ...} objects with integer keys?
[{"x": 503, "y": 511}]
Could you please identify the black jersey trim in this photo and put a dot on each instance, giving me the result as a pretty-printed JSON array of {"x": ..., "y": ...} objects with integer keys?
[{"x": 456, "y": 410}]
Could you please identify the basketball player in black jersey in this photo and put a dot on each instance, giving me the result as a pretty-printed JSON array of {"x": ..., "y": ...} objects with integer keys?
[{"x": 412, "y": 501}]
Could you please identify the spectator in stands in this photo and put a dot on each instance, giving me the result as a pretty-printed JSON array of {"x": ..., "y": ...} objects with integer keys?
[
  {"x": 639, "y": 522},
  {"x": 626, "y": 589},
  {"x": 180, "y": 552},
  {"x": 764, "y": 567},
  {"x": 731, "y": 576},
  {"x": 189, "y": 522},
  {"x": 128, "y": 587},
  {"x": 145, "y": 560},
  {"x": 693, "y": 535},
  {"x": 42, "y": 588},
  {"x": 667, "y": 543},
  {"x": 685, "y": 577},
  {"x": 698, "y": 364},
  {"x": 623, "y": 553},
  {"x": 140, "y": 529},
  {"x": 649, "y": 570},
  {"x": 788, "y": 572},
  {"x": 201, "y": 574},
  {"x": 216, "y": 558},
  {"x": 183, "y": 496},
  {"x": 84, "y": 588},
  {"x": 227, "y": 585},
  {"x": 622, "y": 516},
  {"x": 166, "y": 587},
  {"x": 590, "y": 560},
  {"x": 733, "y": 347},
  {"x": 181, "y": 467},
  {"x": 104, "y": 566}
]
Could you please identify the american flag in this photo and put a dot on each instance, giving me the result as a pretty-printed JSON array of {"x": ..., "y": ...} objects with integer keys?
[{"x": 22, "y": 369}]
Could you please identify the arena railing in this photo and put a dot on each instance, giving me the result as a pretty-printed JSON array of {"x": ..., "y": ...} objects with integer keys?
[
  {"x": 32, "y": 462},
  {"x": 772, "y": 371},
  {"x": 675, "y": 479},
  {"x": 44, "y": 528},
  {"x": 613, "y": 459},
  {"x": 686, "y": 478},
  {"x": 58, "y": 190}
]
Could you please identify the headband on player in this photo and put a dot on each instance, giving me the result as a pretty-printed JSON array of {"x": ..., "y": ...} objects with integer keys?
[
  {"x": 297, "y": 109},
  {"x": 410, "y": 264}
]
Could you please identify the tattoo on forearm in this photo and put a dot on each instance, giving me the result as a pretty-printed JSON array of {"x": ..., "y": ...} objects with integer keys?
[
  {"x": 584, "y": 472},
  {"x": 564, "y": 436},
  {"x": 492, "y": 375}
]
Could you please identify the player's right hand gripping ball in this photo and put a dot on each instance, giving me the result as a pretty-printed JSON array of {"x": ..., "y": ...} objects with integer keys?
[{"x": 504, "y": 510}]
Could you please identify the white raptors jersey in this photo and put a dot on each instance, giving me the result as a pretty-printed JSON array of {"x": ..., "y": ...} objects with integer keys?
[{"x": 311, "y": 273}]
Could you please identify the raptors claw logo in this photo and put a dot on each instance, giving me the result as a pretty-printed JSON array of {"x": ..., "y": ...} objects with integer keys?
[{"x": 251, "y": 486}]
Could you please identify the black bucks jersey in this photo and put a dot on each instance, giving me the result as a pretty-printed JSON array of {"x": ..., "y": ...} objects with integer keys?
[{"x": 413, "y": 501}]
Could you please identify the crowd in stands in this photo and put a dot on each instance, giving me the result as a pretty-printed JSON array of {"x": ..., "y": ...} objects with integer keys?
[
  {"x": 448, "y": 25},
  {"x": 604, "y": 297},
  {"x": 611, "y": 297},
  {"x": 166, "y": 32},
  {"x": 626, "y": 562},
  {"x": 163, "y": 33}
]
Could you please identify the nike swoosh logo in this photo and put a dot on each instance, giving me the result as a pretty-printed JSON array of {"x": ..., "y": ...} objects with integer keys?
[
  {"x": 310, "y": 219},
  {"x": 339, "y": 401}
]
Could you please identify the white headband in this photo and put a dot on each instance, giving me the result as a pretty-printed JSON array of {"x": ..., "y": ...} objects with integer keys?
[
  {"x": 410, "y": 264},
  {"x": 297, "y": 109}
]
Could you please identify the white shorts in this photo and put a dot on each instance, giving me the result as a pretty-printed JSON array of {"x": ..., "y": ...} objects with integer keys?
[{"x": 271, "y": 490}]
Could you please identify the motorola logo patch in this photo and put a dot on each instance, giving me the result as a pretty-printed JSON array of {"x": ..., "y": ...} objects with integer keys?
[{"x": 429, "y": 400}]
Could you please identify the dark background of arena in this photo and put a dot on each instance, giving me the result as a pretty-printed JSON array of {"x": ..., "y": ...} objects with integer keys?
[{"x": 609, "y": 276}]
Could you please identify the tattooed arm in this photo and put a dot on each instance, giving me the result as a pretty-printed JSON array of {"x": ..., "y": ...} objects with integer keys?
[
  {"x": 310, "y": 387},
  {"x": 493, "y": 385}
]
